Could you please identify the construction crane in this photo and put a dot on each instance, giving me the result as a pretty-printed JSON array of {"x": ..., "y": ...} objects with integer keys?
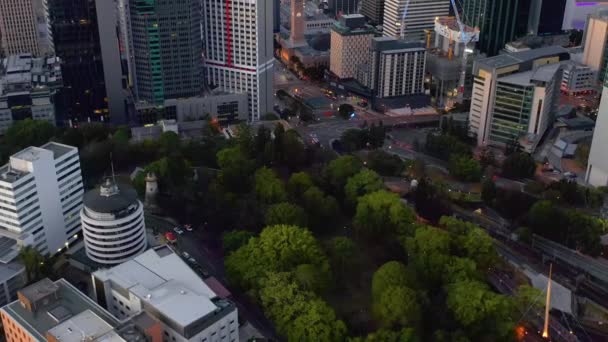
[
  {"x": 403, "y": 16},
  {"x": 463, "y": 70}
]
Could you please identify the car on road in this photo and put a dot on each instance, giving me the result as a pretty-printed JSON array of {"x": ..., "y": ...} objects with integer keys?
[
  {"x": 185, "y": 255},
  {"x": 188, "y": 227},
  {"x": 202, "y": 271},
  {"x": 178, "y": 230},
  {"x": 192, "y": 260}
]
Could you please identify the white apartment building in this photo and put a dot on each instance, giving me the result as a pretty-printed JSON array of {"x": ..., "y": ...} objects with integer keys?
[
  {"x": 420, "y": 16},
  {"x": 577, "y": 78},
  {"x": 351, "y": 39},
  {"x": 397, "y": 67},
  {"x": 41, "y": 196},
  {"x": 113, "y": 224},
  {"x": 597, "y": 166},
  {"x": 160, "y": 283},
  {"x": 27, "y": 89},
  {"x": 25, "y": 27},
  {"x": 514, "y": 95},
  {"x": 238, "y": 38}
]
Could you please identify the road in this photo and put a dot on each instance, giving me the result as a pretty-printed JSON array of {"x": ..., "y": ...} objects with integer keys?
[{"x": 207, "y": 251}]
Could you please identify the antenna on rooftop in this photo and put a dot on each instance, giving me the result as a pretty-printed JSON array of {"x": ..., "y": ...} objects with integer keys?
[{"x": 112, "y": 166}]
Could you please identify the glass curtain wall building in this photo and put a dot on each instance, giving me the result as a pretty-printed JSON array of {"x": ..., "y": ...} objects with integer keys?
[{"x": 512, "y": 107}]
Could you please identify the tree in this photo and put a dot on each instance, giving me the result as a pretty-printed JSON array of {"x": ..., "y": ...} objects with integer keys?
[
  {"x": 487, "y": 157},
  {"x": 337, "y": 172},
  {"x": 262, "y": 139},
  {"x": 460, "y": 269},
  {"x": 385, "y": 335},
  {"x": 431, "y": 202},
  {"x": 236, "y": 169},
  {"x": 519, "y": 165},
  {"x": 397, "y": 306},
  {"x": 235, "y": 239},
  {"x": 279, "y": 248},
  {"x": 298, "y": 183},
  {"x": 310, "y": 279},
  {"x": 245, "y": 139},
  {"x": 343, "y": 253},
  {"x": 363, "y": 183},
  {"x": 317, "y": 323},
  {"x": 429, "y": 250},
  {"x": 529, "y": 298},
  {"x": 28, "y": 132},
  {"x": 444, "y": 146},
  {"x": 478, "y": 246},
  {"x": 321, "y": 209},
  {"x": 488, "y": 191},
  {"x": 465, "y": 168},
  {"x": 169, "y": 143},
  {"x": 384, "y": 163},
  {"x": 381, "y": 214},
  {"x": 293, "y": 150},
  {"x": 32, "y": 260},
  {"x": 353, "y": 139},
  {"x": 391, "y": 274},
  {"x": 268, "y": 187},
  {"x": 376, "y": 135},
  {"x": 345, "y": 110},
  {"x": 285, "y": 213}
]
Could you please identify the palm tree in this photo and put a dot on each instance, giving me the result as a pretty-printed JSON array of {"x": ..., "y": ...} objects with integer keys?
[{"x": 32, "y": 260}]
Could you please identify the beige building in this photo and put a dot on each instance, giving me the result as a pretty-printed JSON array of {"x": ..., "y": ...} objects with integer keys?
[
  {"x": 25, "y": 27},
  {"x": 351, "y": 40},
  {"x": 596, "y": 35}
]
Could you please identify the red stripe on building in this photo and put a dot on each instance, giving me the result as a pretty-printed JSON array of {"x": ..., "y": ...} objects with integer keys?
[{"x": 228, "y": 35}]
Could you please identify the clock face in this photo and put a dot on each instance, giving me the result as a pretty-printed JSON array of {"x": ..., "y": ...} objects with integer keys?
[{"x": 298, "y": 14}]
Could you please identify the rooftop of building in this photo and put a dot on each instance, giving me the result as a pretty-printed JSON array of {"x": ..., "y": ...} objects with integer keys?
[
  {"x": 390, "y": 44},
  {"x": 110, "y": 197},
  {"x": 59, "y": 150},
  {"x": 160, "y": 278},
  {"x": 10, "y": 270},
  {"x": 452, "y": 24},
  {"x": 353, "y": 24},
  {"x": 21, "y": 72},
  {"x": 527, "y": 78},
  {"x": 68, "y": 302},
  {"x": 8, "y": 250},
  {"x": 515, "y": 58},
  {"x": 85, "y": 326},
  {"x": 571, "y": 65}
]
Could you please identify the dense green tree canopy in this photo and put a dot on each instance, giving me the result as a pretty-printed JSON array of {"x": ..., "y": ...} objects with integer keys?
[
  {"x": 465, "y": 168},
  {"x": 236, "y": 169},
  {"x": 381, "y": 214},
  {"x": 337, "y": 172},
  {"x": 363, "y": 183},
  {"x": 343, "y": 253},
  {"x": 298, "y": 183},
  {"x": 269, "y": 188},
  {"x": 322, "y": 209},
  {"x": 233, "y": 240},
  {"x": 398, "y": 306},
  {"x": 391, "y": 274},
  {"x": 519, "y": 165},
  {"x": 285, "y": 213}
]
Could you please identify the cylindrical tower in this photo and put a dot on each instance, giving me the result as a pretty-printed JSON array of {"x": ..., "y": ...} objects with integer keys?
[
  {"x": 151, "y": 189},
  {"x": 113, "y": 224}
]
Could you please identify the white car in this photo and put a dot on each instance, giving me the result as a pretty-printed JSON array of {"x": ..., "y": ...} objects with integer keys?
[
  {"x": 186, "y": 255},
  {"x": 188, "y": 227},
  {"x": 178, "y": 230}
]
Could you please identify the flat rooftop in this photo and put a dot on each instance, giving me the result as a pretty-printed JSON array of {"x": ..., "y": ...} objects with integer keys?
[
  {"x": 58, "y": 149},
  {"x": 10, "y": 270},
  {"x": 515, "y": 58},
  {"x": 69, "y": 303},
  {"x": 86, "y": 326},
  {"x": 526, "y": 78},
  {"x": 162, "y": 279}
]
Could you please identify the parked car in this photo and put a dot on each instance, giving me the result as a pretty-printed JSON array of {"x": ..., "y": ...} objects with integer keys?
[
  {"x": 185, "y": 255},
  {"x": 178, "y": 230},
  {"x": 188, "y": 227}
]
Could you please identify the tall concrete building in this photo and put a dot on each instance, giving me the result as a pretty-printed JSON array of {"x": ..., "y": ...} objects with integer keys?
[
  {"x": 499, "y": 21},
  {"x": 546, "y": 17},
  {"x": 25, "y": 27},
  {"x": 597, "y": 166},
  {"x": 595, "y": 51},
  {"x": 515, "y": 95},
  {"x": 41, "y": 190},
  {"x": 238, "y": 43},
  {"x": 420, "y": 16},
  {"x": 396, "y": 67},
  {"x": 27, "y": 89},
  {"x": 297, "y": 18},
  {"x": 373, "y": 10},
  {"x": 351, "y": 39},
  {"x": 342, "y": 7},
  {"x": 167, "y": 49}
]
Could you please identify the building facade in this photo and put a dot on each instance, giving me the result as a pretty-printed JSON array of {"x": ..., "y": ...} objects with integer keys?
[
  {"x": 25, "y": 28},
  {"x": 397, "y": 67},
  {"x": 167, "y": 49},
  {"x": 159, "y": 283},
  {"x": 597, "y": 166},
  {"x": 499, "y": 22},
  {"x": 546, "y": 17},
  {"x": 351, "y": 38},
  {"x": 41, "y": 190},
  {"x": 595, "y": 50},
  {"x": 373, "y": 10},
  {"x": 27, "y": 89},
  {"x": 113, "y": 224},
  {"x": 12, "y": 279},
  {"x": 239, "y": 56},
  {"x": 577, "y": 78},
  {"x": 339, "y": 8},
  {"x": 420, "y": 16},
  {"x": 514, "y": 95}
]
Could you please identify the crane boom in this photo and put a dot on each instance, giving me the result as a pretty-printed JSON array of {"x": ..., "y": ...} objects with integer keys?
[
  {"x": 463, "y": 70},
  {"x": 403, "y": 16}
]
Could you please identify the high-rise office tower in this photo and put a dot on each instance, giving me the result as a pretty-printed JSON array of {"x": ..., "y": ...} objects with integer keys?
[
  {"x": 597, "y": 167},
  {"x": 167, "y": 50},
  {"x": 546, "y": 16},
  {"x": 24, "y": 27},
  {"x": 373, "y": 10},
  {"x": 239, "y": 44},
  {"x": 420, "y": 16},
  {"x": 74, "y": 24},
  {"x": 595, "y": 52},
  {"x": 341, "y": 7},
  {"x": 351, "y": 39},
  {"x": 499, "y": 21},
  {"x": 297, "y": 19}
]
